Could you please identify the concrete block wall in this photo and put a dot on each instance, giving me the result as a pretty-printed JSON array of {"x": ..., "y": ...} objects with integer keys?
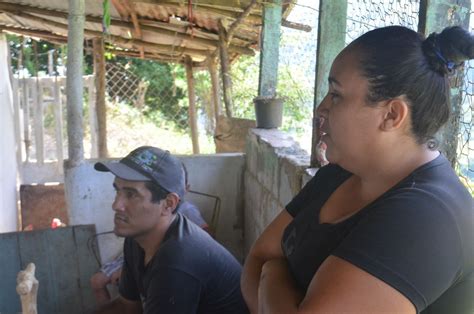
[{"x": 275, "y": 172}]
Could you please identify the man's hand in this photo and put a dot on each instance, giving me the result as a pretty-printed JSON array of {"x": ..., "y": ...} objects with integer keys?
[{"x": 115, "y": 277}]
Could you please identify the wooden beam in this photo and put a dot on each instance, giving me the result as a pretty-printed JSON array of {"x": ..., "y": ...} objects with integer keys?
[
  {"x": 21, "y": 9},
  {"x": 225, "y": 70},
  {"x": 331, "y": 40},
  {"x": 229, "y": 10},
  {"x": 100, "y": 106},
  {"x": 137, "y": 29},
  {"x": 36, "y": 33},
  {"x": 148, "y": 55},
  {"x": 216, "y": 98},
  {"x": 294, "y": 25},
  {"x": 192, "y": 105},
  {"x": 122, "y": 41},
  {"x": 121, "y": 9},
  {"x": 239, "y": 20}
]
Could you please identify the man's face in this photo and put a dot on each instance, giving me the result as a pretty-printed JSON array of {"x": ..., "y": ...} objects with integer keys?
[{"x": 135, "y": 214}]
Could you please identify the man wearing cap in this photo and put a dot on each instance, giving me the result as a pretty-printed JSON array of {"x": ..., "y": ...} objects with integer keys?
[{"x": 170, "y": 264}]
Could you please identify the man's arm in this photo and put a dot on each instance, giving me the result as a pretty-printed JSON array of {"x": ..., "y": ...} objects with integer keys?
[{"x": 120, "y": 305}]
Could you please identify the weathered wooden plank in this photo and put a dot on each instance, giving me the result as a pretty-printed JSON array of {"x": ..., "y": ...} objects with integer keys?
[
  {"x": 10, "y": 266},
  {"x": 58, "y": 123},
  {"x": 37, "y": 104},
  {"x": 93, "y": 122},
  {"x": 215, "y": 90},
  {"x": 87, "y": 264},
  {"x": 100, "y": 90},
  {"x": 34, "y": 248},
  {"x": 26, "y": 117},
  {"x": 64, "y": 272},
  {"x": 225, "y": 70},
  {"x": 192, "y": 105}
]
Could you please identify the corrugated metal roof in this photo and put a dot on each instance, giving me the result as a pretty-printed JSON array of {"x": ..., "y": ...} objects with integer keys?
[{"x": 169, "y": 29}]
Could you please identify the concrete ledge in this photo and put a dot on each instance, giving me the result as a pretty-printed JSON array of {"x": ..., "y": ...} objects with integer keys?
[{"x": 274, "y": 175}]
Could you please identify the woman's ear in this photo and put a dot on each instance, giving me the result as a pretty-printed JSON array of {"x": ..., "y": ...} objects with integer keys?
[
  {"x": 395, "y": 114},
  {"x": 171, "y": 202}
]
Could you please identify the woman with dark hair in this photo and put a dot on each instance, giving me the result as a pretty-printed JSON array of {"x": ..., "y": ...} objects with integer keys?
[{"x": 386, "y": 226}]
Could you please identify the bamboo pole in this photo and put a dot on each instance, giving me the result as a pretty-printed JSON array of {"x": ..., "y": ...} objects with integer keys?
[
  {"x": 192, "y": 105},
  {"x": 74, "y": 84},
  {"x": 101, "y": 109}
]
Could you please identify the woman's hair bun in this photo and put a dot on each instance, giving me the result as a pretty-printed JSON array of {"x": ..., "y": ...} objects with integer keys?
[{"x": 448, "y": 50}]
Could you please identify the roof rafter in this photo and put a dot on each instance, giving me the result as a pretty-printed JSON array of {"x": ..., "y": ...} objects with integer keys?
[{"x": 19, "y": 9}]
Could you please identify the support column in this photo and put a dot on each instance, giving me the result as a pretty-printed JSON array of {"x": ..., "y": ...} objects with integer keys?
[
  {"x": 225, "y": 70},
  {"x": 270, "y": 45},
  {"x": 331, "y": 40},
  {"x": 101, "y": 109},
  {"x": 74, "y": 86},
  {"x": 216, "y": 97},
  {"x": 435, "y": 15},
  {"x": 192, "y": 105}
]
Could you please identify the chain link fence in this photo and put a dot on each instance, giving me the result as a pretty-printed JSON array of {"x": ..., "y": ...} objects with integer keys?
[
  {"x": 365, "y": 15},
  {"x": 465, "y": 159}
]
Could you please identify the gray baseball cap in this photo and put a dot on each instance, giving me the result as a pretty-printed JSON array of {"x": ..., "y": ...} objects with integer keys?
[{"x": 147, "y": 163}]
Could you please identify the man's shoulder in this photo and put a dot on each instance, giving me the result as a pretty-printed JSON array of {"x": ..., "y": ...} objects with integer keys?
[{"x": 187, "y": 244}]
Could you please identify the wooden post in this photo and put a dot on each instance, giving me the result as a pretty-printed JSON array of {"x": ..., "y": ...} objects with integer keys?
[
  {"x": 58, "y": 122},
  {"x": 435, "y": 15},
  {"x": 331, "y": 40},
  {"x": 74, "y": 85},
  {"x": 216, "y": 97},
  {"x": 25, "y": 100},
  {"x": 268, "y": 75},
  {"x": 93, "y": 127},
  {"x": 101, "y": 109},
  {"x": 37, "y": 96},
  {"x": 225, "y": 70},
  {"x": 51, "y": 62},
  {"x": 192, "y": 105}
]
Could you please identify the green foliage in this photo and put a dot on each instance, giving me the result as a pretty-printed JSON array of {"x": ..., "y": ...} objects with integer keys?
[
  {"x": 297, "y": 94},
  {"x": 165, "y": 98},
  {"x": 32, "y": 54}
]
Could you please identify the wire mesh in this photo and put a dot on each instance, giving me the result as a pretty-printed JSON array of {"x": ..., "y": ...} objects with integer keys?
[
  {"x": 365, "y": 15},
  {"x": 124, "y": 85},
  {"x": 296, "y": 71},
  {"x": 465, "y": 151}
]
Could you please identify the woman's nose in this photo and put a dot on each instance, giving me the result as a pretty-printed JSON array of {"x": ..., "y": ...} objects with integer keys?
[{"x": 322, "y": 109}]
